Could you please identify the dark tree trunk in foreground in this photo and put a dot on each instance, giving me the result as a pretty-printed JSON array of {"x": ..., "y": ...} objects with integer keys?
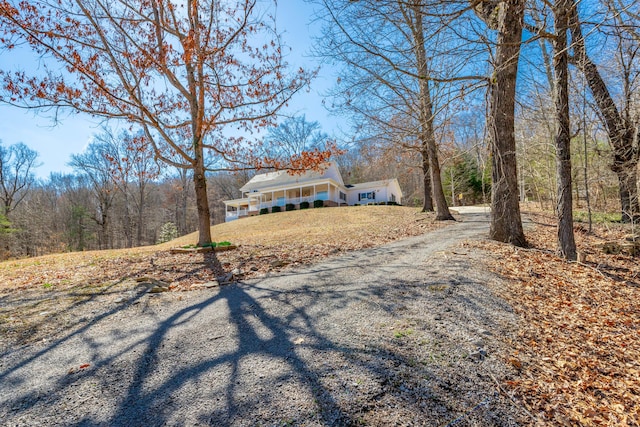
[
  {"x": 427, "y": 205},
  {"x": 506, "y": 222},
  {"x": 202, "y": 198},
  {"x": 566, "y": 241}
]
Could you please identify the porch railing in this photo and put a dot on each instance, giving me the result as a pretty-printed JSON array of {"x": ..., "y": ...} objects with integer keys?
[
  {"x": 237, "y": 213},
  {"x": 283, "y": 202}
]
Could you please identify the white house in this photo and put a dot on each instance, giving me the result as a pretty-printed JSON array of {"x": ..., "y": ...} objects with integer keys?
[{"x": 264, "y": 191}]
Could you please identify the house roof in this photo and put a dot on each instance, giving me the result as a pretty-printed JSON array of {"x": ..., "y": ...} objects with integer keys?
[
  {"x": 236, "y": 202},
  {"x": 380, "y": 183},
  {"x": 282, "y": 178}
]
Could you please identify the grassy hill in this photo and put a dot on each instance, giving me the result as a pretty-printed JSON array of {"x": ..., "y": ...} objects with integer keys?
[
  {"x": 375, "y": 224},
  {"x": 45, "y": 293},
  {"x": 316, "y": 226}
]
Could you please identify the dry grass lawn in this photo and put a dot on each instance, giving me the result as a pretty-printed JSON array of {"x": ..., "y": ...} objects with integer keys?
[{"x": 353, "y": 226}]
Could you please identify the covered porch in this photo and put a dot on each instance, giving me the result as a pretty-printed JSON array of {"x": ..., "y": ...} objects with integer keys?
[
  {"x": 239, "y": 208},
  {"x": 296, "y": 195},
  {"x": 253, "y": 202}
]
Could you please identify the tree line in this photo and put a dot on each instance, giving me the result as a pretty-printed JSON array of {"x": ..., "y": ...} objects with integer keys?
[{"x": 117, "y": 196}]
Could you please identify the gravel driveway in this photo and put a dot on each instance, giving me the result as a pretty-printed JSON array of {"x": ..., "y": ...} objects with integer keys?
[{"x": 405, "y": 334}]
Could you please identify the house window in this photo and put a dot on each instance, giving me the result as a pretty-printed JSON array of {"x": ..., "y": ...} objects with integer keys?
[
  {"x": 371, "y": 195},
  {"x": 393, "y": 198},
  {"x": 343, "y": 196}
]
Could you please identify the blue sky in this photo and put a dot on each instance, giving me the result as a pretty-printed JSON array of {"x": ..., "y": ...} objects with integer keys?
[{"x": 56, "y": 143}]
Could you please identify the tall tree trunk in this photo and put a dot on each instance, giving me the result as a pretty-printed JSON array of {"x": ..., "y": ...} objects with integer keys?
[
  {"x": 442, "y": 209},
  {"x": 620, "y": 131},
  {"x": 141, "y": 207},
  {"x": 628, "y": 183},
  {"x": 202, "y": 198},
  {"x": 128, "y": 226},
  {"x": 427, "y": 205},
  {"x": 506, "y": 222},
  {"x": 586, "y": 160},
  {"x": 182, "y": 203},
  {"x": 426, "y": 117},
  {"x": 566, "y": 241}
]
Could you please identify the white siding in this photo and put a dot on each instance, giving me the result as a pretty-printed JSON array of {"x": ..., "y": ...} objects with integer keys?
[
  {"x": 380, "y": 195},
  {"x": 394, "y": 188}
]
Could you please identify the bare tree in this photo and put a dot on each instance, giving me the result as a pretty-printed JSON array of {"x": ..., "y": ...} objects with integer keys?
[
  {"x": 414, "y": 17},
  {"x": 294, "y": 136},
  {"x": 16, "y": 174},
  {"x": 388, "y": 77},
  {"x": 94, "y": 165},
  {"x": 74, "y": 200},
  {"x": 622, "y": 125},
  {"x": 183, "y": 72},
  {"x": 132, "y": 168},
  {"x": 507, "y": 17},
  {"x": 566, "y": 241}
]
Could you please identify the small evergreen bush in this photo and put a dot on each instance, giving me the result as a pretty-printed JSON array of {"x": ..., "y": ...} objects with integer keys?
[
  {"x": 318, "y": 203},
  {"x": 264, "y": 211},
  {"x": 290, "y": 207},
  {"x": 275, "y": 209},
  {"x": 168, "y": 232},
  {"x": 304, "y": 205}
]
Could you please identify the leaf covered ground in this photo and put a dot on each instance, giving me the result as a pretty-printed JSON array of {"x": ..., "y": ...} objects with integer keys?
[
  {"x": 578, "y": 351},
  {"x": 41, "y": 295}
]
